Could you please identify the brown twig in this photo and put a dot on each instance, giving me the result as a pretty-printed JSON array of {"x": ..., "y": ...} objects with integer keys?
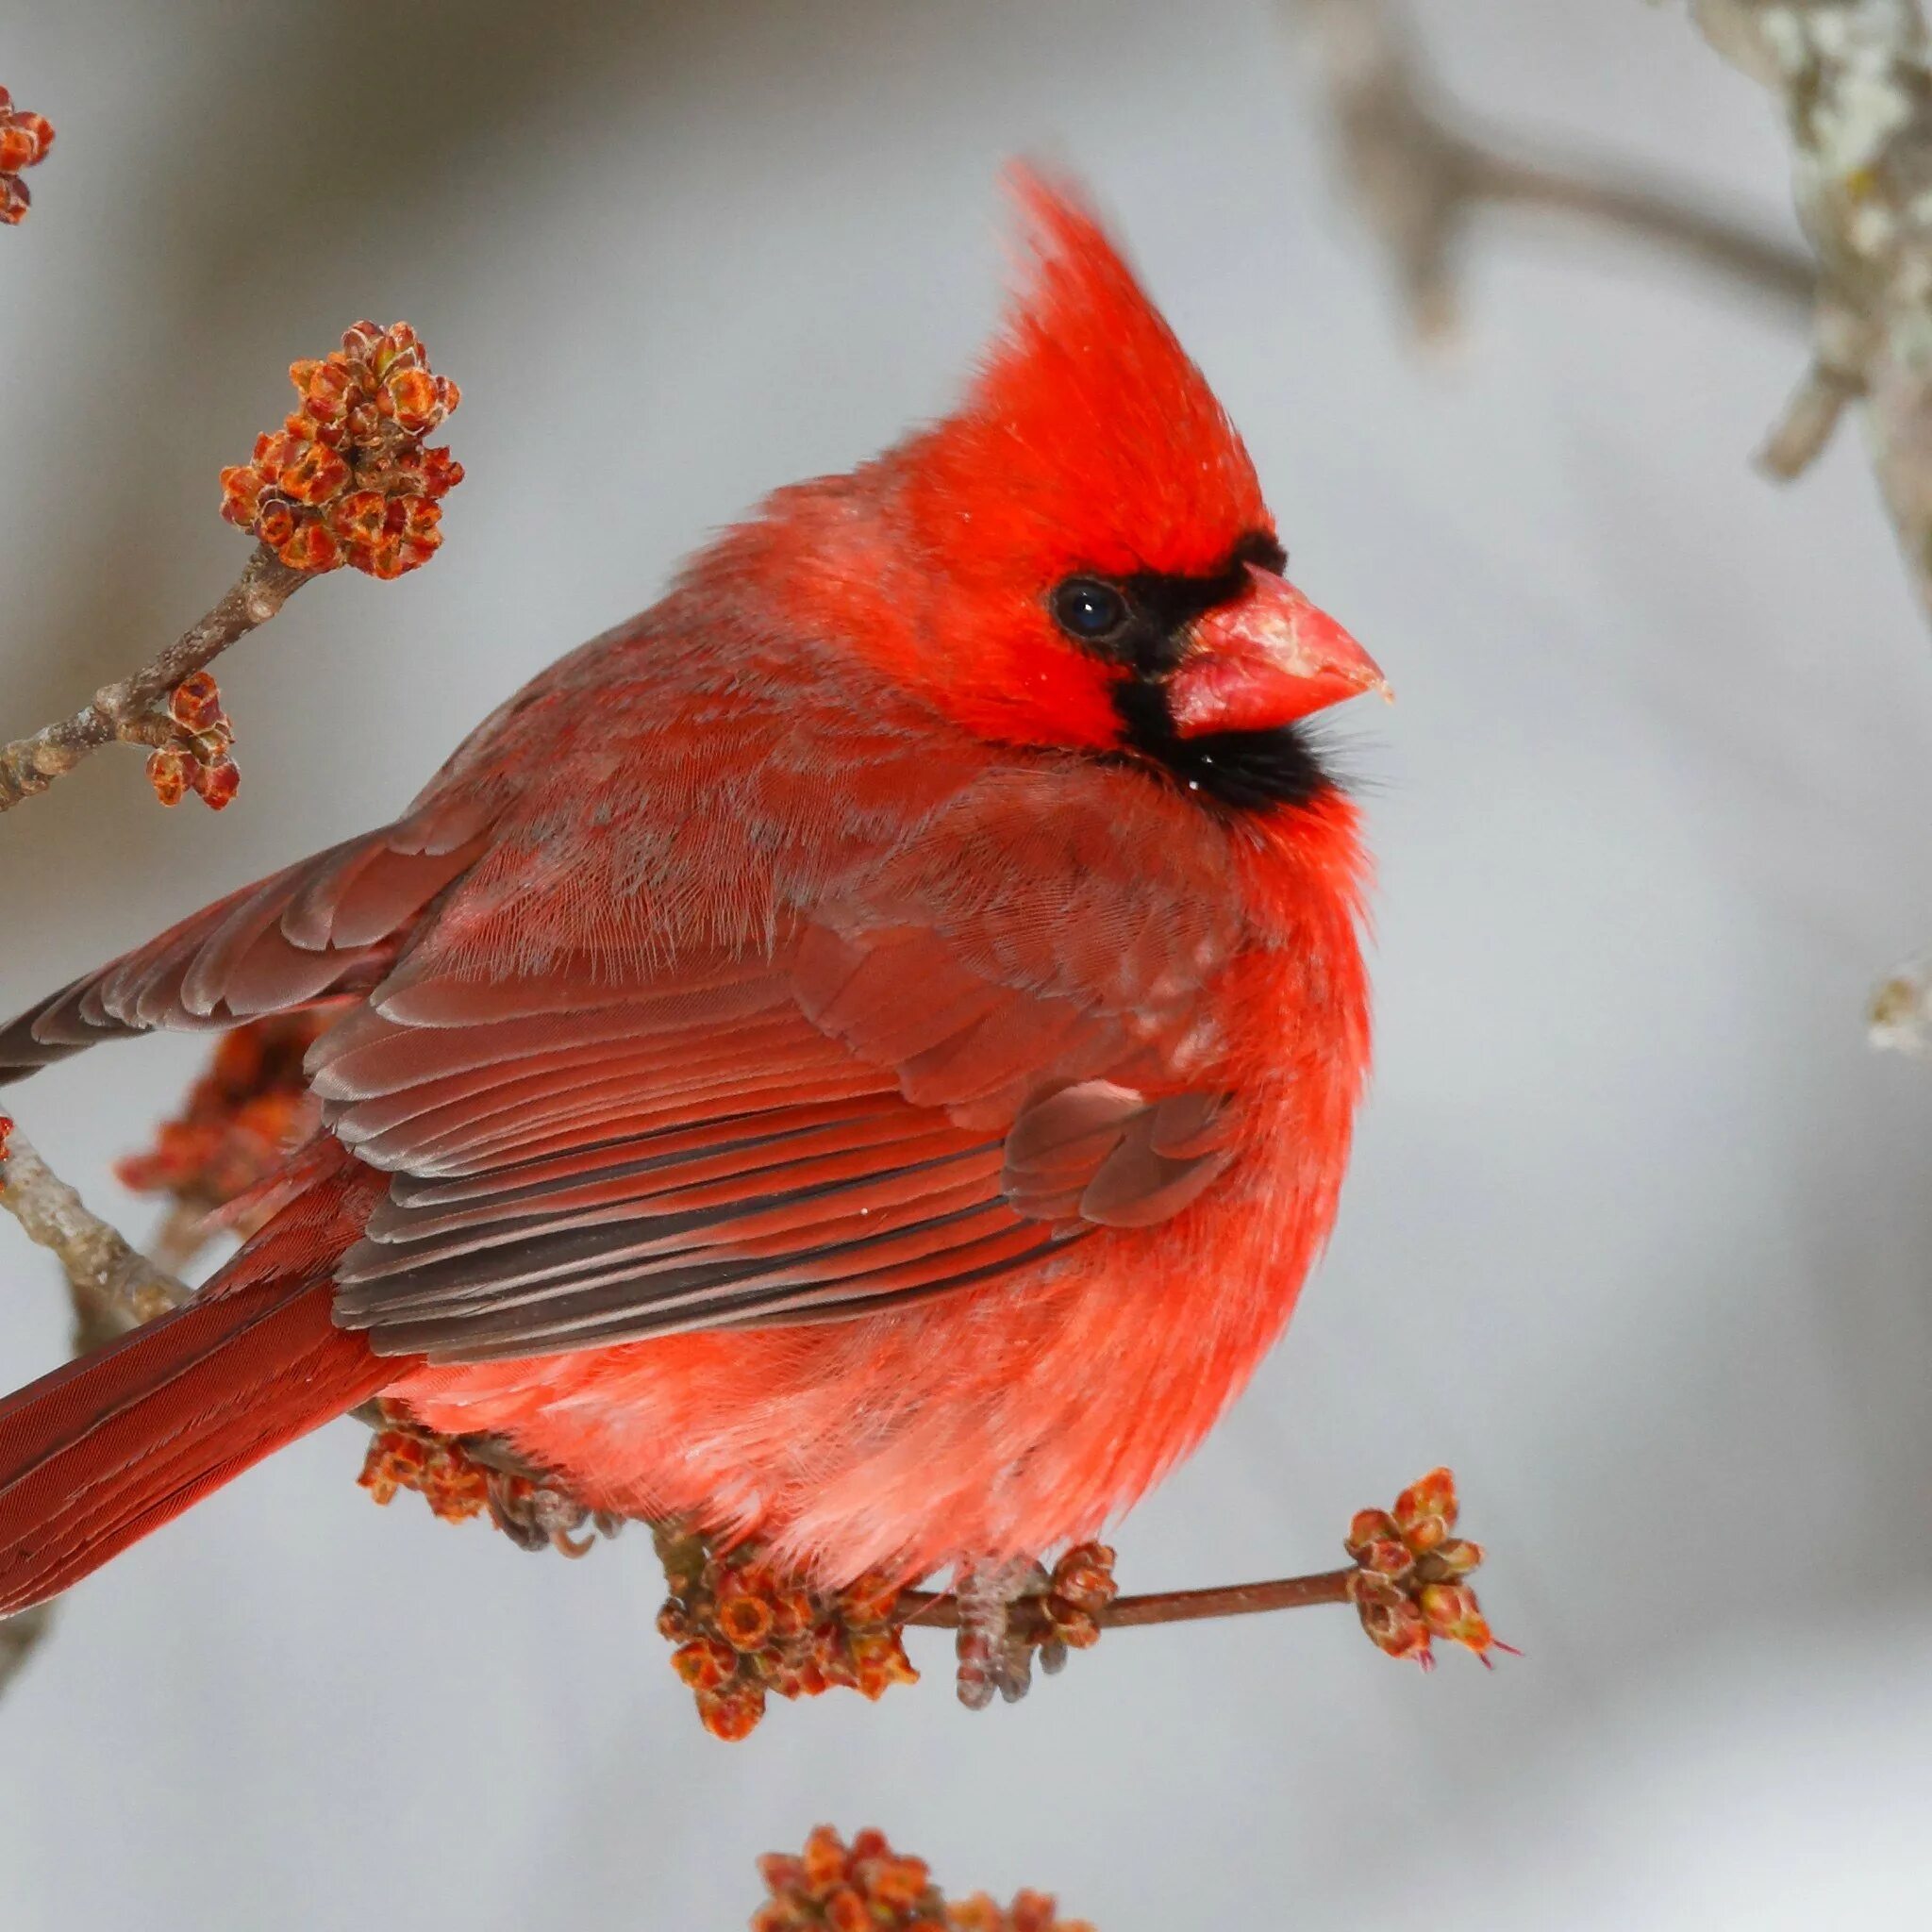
[
  {"x": 135, "y": 709},
  {"x": 1420, "y": 180},
  {"x": 940, "y": 1609}
]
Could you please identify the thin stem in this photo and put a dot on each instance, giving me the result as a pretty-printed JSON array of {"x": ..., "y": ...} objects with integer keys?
[
  {"x": 134, "y": 711},
  {"x": 940, "y": 1609}
]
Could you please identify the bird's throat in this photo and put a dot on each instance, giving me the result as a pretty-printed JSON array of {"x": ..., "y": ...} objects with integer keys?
[{"x": 1239, "y": 771}]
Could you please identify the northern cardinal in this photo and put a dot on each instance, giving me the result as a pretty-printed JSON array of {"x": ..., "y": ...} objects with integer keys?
[{"x": 862, "y": 1054}]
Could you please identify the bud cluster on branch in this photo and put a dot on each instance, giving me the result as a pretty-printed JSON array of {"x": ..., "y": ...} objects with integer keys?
[
  {"x": 347, "y": 478},
  {"x": 742, "y": 1630},
  {"x": 25, "y": 139},
  {"x": 867, "y": 1887},
  {"x": 1411, "y": 1578}
]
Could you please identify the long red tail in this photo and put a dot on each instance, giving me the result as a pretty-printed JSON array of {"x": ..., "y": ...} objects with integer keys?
[{"x": 99, "y": 1452}]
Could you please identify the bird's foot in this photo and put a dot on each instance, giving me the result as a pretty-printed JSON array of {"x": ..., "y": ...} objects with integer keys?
[
  {"x": 994, "y": 1645},
  {"x": 535, "y": 1515},
  {"x": 1014, "y": 1613},
  {"x": 462, "y": 1476}
]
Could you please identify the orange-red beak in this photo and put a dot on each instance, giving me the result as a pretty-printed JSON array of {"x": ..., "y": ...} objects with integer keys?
[{"x": 1265, "y": 660}]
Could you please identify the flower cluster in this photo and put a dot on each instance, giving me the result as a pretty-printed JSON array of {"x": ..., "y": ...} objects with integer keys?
[
  {"x": 196, "y": 747},
  {"x": 241, "y": 1119},
  {"x": 1408, "y": 1586},
  {"x": 346, "y": 479},
  {"x": 402, "y": 1456},
  {"x": 744, "y": 1630},
  {"x": 867, "y": 1887},
  {"x": 25, "y": 139}
]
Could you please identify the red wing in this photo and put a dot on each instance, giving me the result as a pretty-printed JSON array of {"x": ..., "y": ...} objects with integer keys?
[
  {"x": 327, "y": 926},
  {"x": 936, "y": 1078}
]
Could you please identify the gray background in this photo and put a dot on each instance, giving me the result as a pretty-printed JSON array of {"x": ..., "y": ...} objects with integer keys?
[{"x": 1637, "y": 1235}]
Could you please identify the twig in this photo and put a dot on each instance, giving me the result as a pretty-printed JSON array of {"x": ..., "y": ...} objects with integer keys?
[
  {"x": 108, "y": 1277},
  {"x": 1420, "y": 181},
  {"x": 940, "y": 1609},
  {"x": 134, "y": 712}
]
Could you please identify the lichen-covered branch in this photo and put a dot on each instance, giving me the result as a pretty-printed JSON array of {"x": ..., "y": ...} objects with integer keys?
[
  {"x": 109, "y": 1278},
  {"x": 1852, "y": 79},
  {"x": 1420, "y": 180},
  {"x": 135, "y": 710}
]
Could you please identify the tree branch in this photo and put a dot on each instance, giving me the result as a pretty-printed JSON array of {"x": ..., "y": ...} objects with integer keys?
[
  {"x": 1420, "y": 181},
  {"x": 135, "y": 710},
  {"x": 1853, "y": 81},
  {"x": 111, "y": 1282}
]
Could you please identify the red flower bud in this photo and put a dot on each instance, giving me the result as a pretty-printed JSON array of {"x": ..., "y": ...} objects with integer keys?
[
  {"x": 25, "y": 139},
  {"x": 171, "y": 772},
  {"x": 347, "y": 478}
]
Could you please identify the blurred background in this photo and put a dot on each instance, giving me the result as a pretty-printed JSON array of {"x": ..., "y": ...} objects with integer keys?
[{"x": 1638, "y": 1232}]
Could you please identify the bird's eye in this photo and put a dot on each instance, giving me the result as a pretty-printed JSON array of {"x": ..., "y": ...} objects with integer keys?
[{"x": 1090, "y": 610}]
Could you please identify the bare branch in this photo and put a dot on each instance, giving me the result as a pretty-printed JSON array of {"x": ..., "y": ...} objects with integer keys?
[
  {"x": 135, "y": 710},
  {"x": 106, "y": 1276},
  {"x": 1420, "y": 181}
]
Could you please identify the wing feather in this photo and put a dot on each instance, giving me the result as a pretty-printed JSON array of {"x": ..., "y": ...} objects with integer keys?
[{"x": 272, "y": 947}]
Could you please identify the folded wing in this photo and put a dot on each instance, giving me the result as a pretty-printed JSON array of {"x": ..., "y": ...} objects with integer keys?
[{"x": 943, "y": 1072}]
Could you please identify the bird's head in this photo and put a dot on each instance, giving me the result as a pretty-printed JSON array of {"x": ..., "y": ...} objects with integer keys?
[{"x": 1080, "y": 557}]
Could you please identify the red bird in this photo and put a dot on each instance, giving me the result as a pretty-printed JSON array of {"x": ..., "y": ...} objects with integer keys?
[{"x": 862, "y": 1054}]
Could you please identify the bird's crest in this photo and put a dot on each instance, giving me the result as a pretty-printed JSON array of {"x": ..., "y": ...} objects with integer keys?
[{"x": 1089, "y": 437}]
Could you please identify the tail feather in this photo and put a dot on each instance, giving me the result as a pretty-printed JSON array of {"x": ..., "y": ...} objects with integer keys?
[{"x": 101, "y": 1451}]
